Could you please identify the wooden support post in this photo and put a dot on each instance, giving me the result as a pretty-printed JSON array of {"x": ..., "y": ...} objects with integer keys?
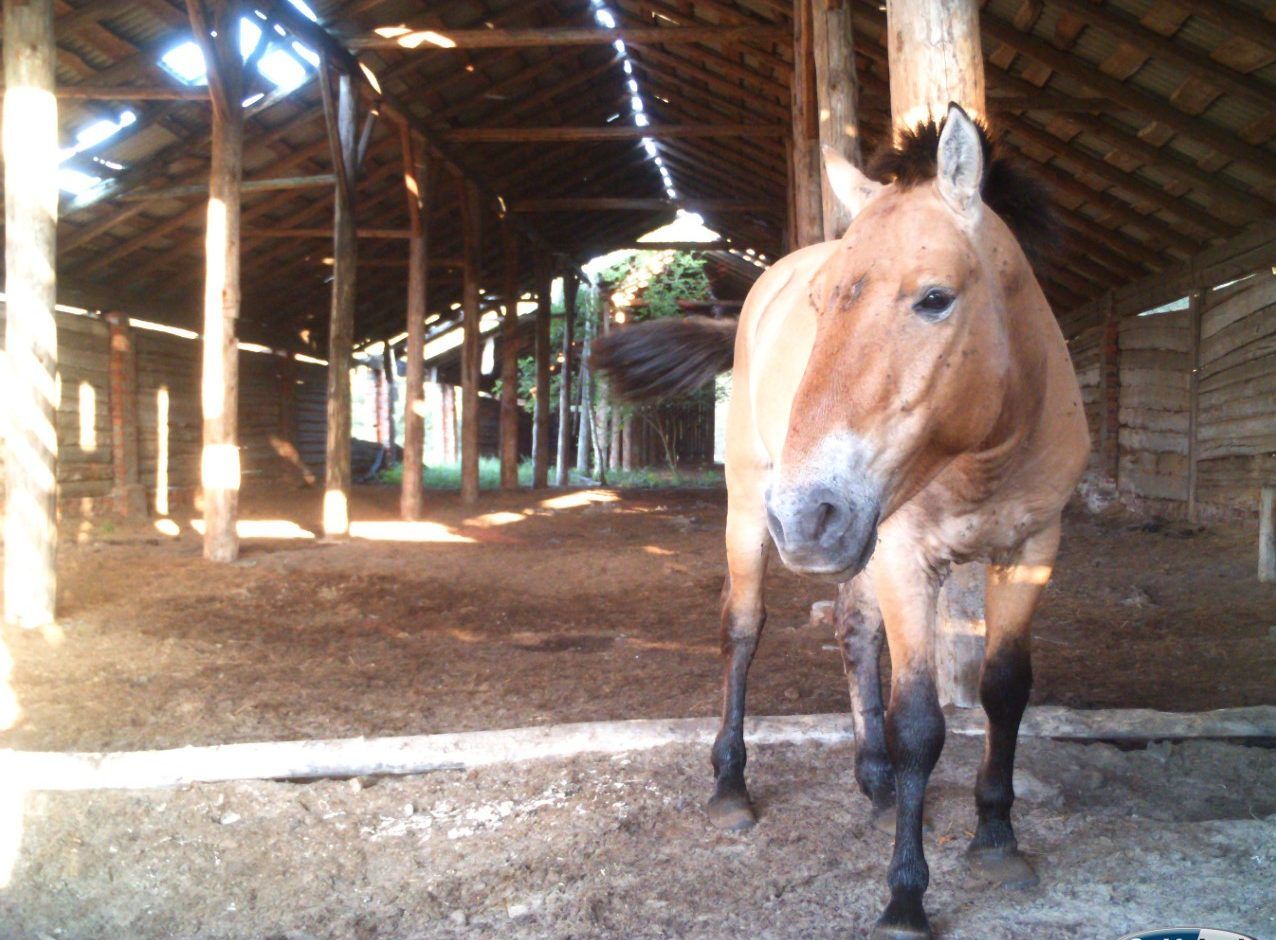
[
  {"x": 31, "y": 343},
  {"x": 127, "y": 493},
  {"x": 584, "y": 434},
  {"x": 617, "y": 431},
  {"x": 1195, "y": 310},
  {"x": 934, "y": 59},
  {"x": 837, "y": 92},
  {"x": 602, "y": 409},
  {"x": 627, "y": 444},
  {"x": 342, "y": 134},
  {"x": 416, "y": 183},
  {"x": 1267, "y": 535},
  {"x": 447, "y": 414},
  {"x": 216, "y": 28},
  {"x": 540, "y": 428},
  {"x": 1110, "y": 387},
  {"x": 471, "y": 348},
  {"x": 804, "y": 179},
  {"x": 565, "y": 385},
  {"x": 509, "y": 360}
]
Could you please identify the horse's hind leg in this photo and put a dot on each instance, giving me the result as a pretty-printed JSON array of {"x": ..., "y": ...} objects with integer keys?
[
  {"x": 860, "y": 635},
  {"x": 743, "y": 614},
  {"x": 1004, "y": 683}
]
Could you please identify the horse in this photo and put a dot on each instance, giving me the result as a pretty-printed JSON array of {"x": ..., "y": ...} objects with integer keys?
[{"x": 902, "y": 401}]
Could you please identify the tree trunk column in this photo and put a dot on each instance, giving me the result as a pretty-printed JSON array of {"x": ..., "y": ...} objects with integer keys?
[
  {"x": 804, "y": 165},
  {"x": 416, "y": 180},
  {"x": 540, "y": 442},
  {"x": 934, "y": 58},
  {"x": 31, "y": 218},
  {"x": 565, "y": 386},
  {"x": 129, "y": 499},
  {"x": 470, "y": 347},
  {"x": 336, "y": 497},
  {"x": 509, "y": 361},
  {"x": 837, "y": 92}
]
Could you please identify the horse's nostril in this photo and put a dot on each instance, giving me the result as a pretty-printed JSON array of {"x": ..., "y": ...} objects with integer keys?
[{"x": 824, "y": 514}]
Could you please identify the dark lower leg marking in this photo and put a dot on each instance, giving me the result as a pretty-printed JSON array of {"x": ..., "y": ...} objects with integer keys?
[
  {"x": 729, "y": 806},
  {"x": 860, "y": 636},
  {"x": 914, "y": 738}
]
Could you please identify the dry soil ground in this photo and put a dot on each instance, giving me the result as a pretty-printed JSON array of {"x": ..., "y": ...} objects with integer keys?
[{"x": 562, "y": 607}]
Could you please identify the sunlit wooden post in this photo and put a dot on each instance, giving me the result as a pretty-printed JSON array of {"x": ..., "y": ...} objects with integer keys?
[
  {"x": 509, "y": 360},
  {"x": 416, "y": 182},
  {"x": 216, "y": 29},
  {"x": 540, "y": 425},
  {"x": 584, "y": 434},
  {"x": 934, "y": 58},
  {"x": 471, "y": 347},
  {"x": 127, "y": 494},
  {"x": 837, "y": 93},
  {"x": 804, "y": 163},
  {"x": 31, "y": 345},
  {"x": 342, "y": 132},
  {"x": 565, "y": 386},
  {"x": 1267, "y": 534}
]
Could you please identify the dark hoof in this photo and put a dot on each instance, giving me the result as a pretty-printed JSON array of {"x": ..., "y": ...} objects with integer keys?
[
  {"x": 902, "y": 923},
  {"x": 1001, "y": 868},
  {"x": 882, "y": 818},
  {"x": 731, "y": 812}
]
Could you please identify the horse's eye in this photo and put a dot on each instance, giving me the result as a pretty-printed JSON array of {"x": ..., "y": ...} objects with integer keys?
[{"x": 935, "y": 304}]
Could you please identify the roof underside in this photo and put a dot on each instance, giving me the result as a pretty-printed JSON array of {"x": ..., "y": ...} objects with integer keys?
[{"x": 1170, "y": 150}]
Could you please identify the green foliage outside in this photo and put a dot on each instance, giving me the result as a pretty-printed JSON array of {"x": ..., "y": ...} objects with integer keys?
[{"x": 448, "y": 477}]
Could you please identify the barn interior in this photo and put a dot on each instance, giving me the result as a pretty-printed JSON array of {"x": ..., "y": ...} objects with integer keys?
[{"x": 298, "y": 242}]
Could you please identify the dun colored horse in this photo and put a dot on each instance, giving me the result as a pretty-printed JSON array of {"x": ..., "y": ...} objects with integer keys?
[{"x": 902, "y": 401}]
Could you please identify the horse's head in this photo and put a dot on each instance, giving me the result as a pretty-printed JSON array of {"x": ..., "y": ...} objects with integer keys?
[{"x": 910, "y": 362}]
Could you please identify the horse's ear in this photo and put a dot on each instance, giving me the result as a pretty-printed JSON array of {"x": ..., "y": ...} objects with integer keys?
[
  {"x": 960, "y": 161},
  {"x": 852, "y": 188}
]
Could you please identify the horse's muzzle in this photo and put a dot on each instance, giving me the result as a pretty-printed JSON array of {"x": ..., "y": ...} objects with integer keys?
[{"x": 822, "y": 533}]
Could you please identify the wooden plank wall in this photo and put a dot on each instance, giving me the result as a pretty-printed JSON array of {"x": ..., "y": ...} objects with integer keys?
[
  {"x": 1235, "y": 447},
  {"x": 168, "y": 370},
  {"x": 1237, "y": 395}
]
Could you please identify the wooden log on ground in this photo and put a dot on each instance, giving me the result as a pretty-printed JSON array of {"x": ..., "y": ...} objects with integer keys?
[
  {"x": 565, "y": 384},
  {"x": 31, "y": 342},
  {"x": 416, "y": 182},
  {"x": 216, "y": 30},
  {"x": 509, "y": 360},
  {"x": 540, "y": 422},
  {"x": 934, "y": 59},
  {"x": 342, "y": 131},
  {"x": 127, "y": 493},
  {"x": 471, "y": 217},
  {"x": 415, "y": 754}
]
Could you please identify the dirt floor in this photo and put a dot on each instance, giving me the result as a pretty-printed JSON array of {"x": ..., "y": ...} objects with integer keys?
[
  {"x": 555, "y": 607},
  {"x": 620, "y": 847},
  {"x": 551, "y": 607}
]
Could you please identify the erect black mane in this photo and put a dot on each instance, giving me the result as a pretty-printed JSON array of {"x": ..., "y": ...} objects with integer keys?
[{"x": 1008, "y": 189}]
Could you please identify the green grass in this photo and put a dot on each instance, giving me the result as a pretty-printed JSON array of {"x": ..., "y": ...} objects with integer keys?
[{"x": 448, "y": 477}]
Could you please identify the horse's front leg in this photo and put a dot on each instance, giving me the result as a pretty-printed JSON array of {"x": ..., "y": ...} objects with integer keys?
[
  {"x": 1004, "y": 683},
  {"x": 907, "y": 590},
  {"x": 860, "y": 635},
  {"x": 743, "y": 613}
]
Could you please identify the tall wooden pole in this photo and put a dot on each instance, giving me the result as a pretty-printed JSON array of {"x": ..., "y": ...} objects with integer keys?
[
  {"x": 804, "y": 165},
  {"x": 129, "y": 499},
  {"x": 584, "y": 436},
  {"x": 509, "y": 361},
  {"x": 219, "y": 467},
  {"x": 934, "y": 57},
  {"x": 565, "y": 386},
  {"x": 540, "y": 426},
  {"x": 416, "y": 183},
  {"x": 837, "y": 92},
  {"x": 471, "y": 350},
  {"x": 31, "y": 342},
  {"x": 343, "y": 137}
]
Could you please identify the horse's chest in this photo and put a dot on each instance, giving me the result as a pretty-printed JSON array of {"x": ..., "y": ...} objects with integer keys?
[{"x": 980, "y": 534}]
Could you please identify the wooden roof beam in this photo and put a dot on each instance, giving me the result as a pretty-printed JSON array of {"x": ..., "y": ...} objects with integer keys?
[
  {"x": 492, "y": 135},
  {"x": 440, "y": 39}
]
